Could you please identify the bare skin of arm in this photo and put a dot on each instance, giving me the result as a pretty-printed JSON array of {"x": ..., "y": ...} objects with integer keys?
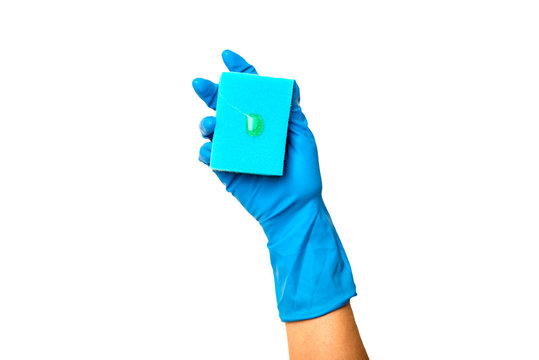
[{"x": 332, "y": 336}]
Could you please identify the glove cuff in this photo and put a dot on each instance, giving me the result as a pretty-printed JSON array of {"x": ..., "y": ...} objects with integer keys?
[{"x": 311, "y": 271}]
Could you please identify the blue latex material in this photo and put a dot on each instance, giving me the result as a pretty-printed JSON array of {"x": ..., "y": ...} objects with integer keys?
[{"x": 311, "y": 271}]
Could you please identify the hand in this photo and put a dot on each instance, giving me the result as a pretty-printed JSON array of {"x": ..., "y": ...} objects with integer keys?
[
  {"x": 312, "y": 274},
  {"x": 265, "y": 196}
]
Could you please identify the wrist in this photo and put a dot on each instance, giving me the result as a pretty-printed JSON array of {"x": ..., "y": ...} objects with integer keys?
[{"x": 291, "y": 221}]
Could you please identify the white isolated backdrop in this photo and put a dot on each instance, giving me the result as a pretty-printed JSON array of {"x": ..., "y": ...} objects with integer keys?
[{"x": 116, "y": 243}]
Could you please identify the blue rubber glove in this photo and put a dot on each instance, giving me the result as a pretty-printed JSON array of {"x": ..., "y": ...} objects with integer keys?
[{"x": 311, "y": 271}]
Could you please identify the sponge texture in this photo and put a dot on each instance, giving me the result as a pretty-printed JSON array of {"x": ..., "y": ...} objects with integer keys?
[{"x": 252, "y": 124}]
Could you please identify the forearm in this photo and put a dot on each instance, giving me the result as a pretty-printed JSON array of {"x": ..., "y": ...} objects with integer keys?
[
  {"x": 312, "y": 274},
  {"x": 332, "y": 336}
]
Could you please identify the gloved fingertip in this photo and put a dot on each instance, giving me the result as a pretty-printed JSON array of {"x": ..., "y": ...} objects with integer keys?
[
  {"x": 205, "y": 153},
  {"x": 203, "y": 86},
  {"x": 206, "y": 90},
  {"x": 295, "y": 95},
  {"x": 230, "y": 57},
  {"x": 207, "y": 126},
  {"x": 236, "y": 63},
  {"x": 203, "y": 160},
  {"x": 202, "y": 128},
  {"x": 197, "y": 83},
  {"x": 227, "y": 53}
]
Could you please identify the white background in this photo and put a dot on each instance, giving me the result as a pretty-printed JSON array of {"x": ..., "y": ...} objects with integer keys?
[{"x": 116, "y": 243}]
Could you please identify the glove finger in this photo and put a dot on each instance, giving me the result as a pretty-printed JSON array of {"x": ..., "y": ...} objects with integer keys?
[
  {"x": 227, "y": 178},
  {"x": 204, "y": 154},
  {"x": 296, "y": 115},
  {"x": 236, "y": 63},
  {"x": 207, "y": 91},
  {"x": 207, "y": 126},
  {"x": 295, "y": 98}
]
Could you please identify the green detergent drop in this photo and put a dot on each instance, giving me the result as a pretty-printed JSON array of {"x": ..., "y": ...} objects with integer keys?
[{"x": 254, "y": 124}]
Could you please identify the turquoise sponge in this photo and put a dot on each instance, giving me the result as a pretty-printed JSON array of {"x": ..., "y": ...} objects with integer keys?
[{"x": 252, "y": 123}]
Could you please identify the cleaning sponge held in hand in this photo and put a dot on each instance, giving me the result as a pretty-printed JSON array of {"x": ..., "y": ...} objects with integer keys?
[{"x": 252, "y": 124}]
